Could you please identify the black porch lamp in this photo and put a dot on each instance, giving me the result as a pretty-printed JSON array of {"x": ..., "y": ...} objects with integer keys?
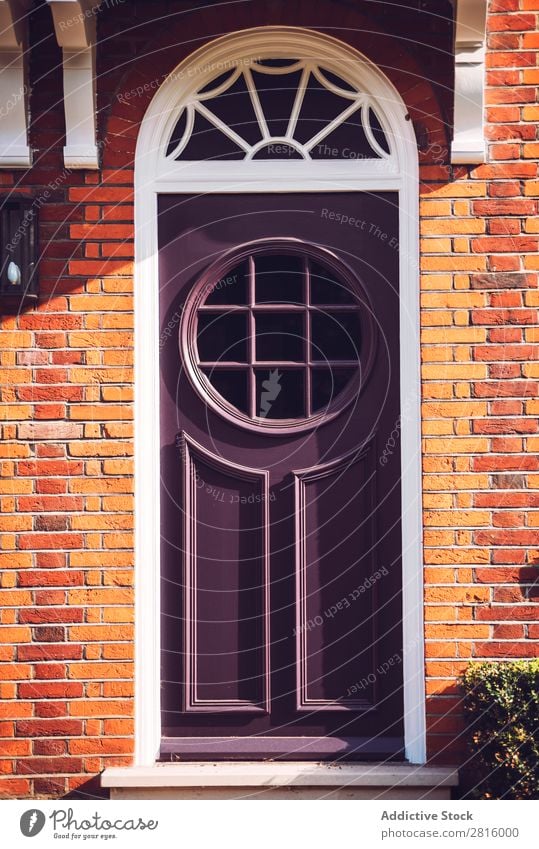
[{"x": 18, "y": 243}]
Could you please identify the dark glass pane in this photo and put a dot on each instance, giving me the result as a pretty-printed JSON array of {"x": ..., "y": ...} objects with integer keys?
[
  {"x": 222, "y": 337},
  {"x": 207, "y": 142},
  {"x": 326, "y": 288},
  {"x": 338, "y": 81},
  {"x": 280, "y": 336},
  {"x": 235, "y": 109},
  {"x": 377, "y": 131},
  {"x": 231, "y": 288},
  {"x": 277, "y": 150},
  {"x": 327, "y": 383},
  {"x": 280, "y": 393},
  {"x": 347, "y": 141},
  {"x": 178, "y": 132},
  {"x": 277, "y": 63},
  {"x": 216, "y": 82},
  {"x": 318, "y": 109},
  {"x": 232, "y": 385},
  {"x": 335, "y": 336},
  {"x": 277, "y": 93},
  {"x": 279, "y": 279}
]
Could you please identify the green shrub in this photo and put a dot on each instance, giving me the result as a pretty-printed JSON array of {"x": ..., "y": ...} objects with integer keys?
[{"x": 501, "y": 704}]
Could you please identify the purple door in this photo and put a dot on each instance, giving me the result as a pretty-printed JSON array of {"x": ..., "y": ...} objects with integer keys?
[{"x": 281, "y": 537}]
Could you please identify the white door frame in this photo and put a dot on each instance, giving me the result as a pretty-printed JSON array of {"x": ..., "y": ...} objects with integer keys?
[{"x": 153, "y": 176}]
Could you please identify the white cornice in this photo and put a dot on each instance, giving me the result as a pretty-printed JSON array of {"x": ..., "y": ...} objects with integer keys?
[
  {"x": 75, "y": 28},
  {"x": 14, "y": 149},
  {"x": 468, "y": 145}
]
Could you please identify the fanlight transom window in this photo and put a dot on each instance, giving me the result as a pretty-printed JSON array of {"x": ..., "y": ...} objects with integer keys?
[{"x": 278, "y": 109}]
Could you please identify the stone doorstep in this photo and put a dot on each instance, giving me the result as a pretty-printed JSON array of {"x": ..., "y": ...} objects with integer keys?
[{"x": 200, "y": 780}]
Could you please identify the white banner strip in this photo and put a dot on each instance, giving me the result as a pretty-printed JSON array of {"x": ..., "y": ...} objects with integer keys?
[{"x": 269, "y": 824}]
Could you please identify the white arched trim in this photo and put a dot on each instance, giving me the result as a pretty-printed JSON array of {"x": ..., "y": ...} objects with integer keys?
[{"x": 155, "y": 175}]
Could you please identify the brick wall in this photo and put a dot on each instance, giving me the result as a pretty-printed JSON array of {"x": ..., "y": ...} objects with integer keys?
[
  {"x": 66, "y": 547},
  {"x": 479, "y": 244},
  {"x": 66, "y": 557}
]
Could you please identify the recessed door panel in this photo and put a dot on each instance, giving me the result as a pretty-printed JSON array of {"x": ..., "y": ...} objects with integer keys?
[
  {"x": 336, "y": 577},
  {"x": 226, "y": 584}
]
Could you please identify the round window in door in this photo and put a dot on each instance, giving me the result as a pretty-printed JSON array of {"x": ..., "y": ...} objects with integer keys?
[{"x": 278, "y": 335}]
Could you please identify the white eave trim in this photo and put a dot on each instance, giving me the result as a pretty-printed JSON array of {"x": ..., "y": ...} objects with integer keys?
[
  {"x": 14, "y": 149},
  {"x": 75, "y": 28},
  {"x": 468, "y": 145}
]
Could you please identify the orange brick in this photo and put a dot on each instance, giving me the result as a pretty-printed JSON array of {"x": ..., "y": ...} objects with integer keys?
[
  {"x": 100, "y": 671},
  {"x": 100, "y": 745},
  {"x": 100, "y": 633},
  {"x": 101, "y": 231},
  {"x": 100, "y": 195},
  {"x": 118, "y": 727},
  {"x": 101, "y": 303},
  {"x": 452, "y": 226},
  {"x": 16, "y": 560},
  {"x": 15, "y": 340},
  {"x": 101, "y": 707},
  {"x": 99, "y": 596},
  {"x": 104, "y": 412},
  {"x": 460, "y": 189},
  {"x": 453, "y": 263},
  {"x": 15, "y": 635}
]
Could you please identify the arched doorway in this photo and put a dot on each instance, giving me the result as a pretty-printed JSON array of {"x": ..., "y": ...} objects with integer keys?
[{"x": 281, "y": 160}]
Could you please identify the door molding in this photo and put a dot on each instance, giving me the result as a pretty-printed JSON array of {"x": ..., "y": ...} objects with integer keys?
[
  {"x": 151, "y": 179},
  {"x": 192, "y": 452},
  {"x": 302, "y": 479}
]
